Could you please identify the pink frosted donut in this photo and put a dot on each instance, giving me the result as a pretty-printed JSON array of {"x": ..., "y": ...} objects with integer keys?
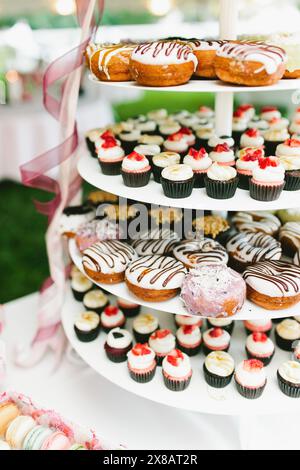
[{"x": 213, "y": 291}]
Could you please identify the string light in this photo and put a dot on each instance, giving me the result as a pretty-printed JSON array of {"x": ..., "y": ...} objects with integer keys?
[
  {"x": 160, "y": 7},
  {"x": 64, "y": 7}
]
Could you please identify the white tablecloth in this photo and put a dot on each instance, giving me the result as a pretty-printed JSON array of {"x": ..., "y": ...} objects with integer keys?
[{"x": 81, "y": 395}]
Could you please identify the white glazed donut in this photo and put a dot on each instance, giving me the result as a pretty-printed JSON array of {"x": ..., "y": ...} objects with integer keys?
[{"x": 194, "y": 252}]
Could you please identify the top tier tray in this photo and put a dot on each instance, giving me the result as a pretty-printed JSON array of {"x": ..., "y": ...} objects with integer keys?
[{"x": 204, "y": 86}]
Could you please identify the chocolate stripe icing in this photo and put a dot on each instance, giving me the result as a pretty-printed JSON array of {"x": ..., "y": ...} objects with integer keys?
[
  {"x": 253, "y": 247},
  {"x": 284, "y": 276},
  {"x": 202, "y": 251},
  {"x": 108, "y": 255}
]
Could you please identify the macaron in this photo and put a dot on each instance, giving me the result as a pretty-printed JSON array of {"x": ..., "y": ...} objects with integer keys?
[
  {"x": 56, "y": 441},
  {"x": 36, "y": 438},
  {"x": 4, "y": 445},
  {"x": 18, "y": 430},
  {"x": 8, "y": 412}
]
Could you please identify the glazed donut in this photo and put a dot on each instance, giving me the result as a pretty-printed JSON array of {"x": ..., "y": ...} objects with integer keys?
[
  {"x": 250, "y": 63},
  {"x": 111, "y": 63},
  {"x": 162, "y": 63},
  {"x": 205, "y": 52},
  {"x": 273, "y": 285},
  {"x": 195, "y": 252},
  {"x": 289, "y": 235},
  {"x": 90, "y": 50},
  {"x": 106, "y": 261},
  {"x": 245, "y": 249},
  {"x": 155, "y": 246},
  {"x": 259, "y": 221},
  {"x": 155, "y": 278}
]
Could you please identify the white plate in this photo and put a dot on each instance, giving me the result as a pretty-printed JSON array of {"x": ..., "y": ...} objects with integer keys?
[
  {"x": 90, "y": 171},
  {"x": 175, "y": 305},
  {"x": 205, "y": 86},
  {"x": 198, "y": 396}
]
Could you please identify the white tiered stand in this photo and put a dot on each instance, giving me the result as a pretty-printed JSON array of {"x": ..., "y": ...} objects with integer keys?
[{"x": 198, "y": 397}]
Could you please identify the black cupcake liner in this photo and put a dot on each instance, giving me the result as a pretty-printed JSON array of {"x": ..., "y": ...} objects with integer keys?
[
  {"x": 157, "y": 173},
  {"x": 221, "y": 189},
  {"x": 131, "y": 312},
  {"x": 236, "y": 135},
  {"x": 91, "y": 147},
  {"x": 207, "y": 350},
  {"x": 128, "y": 147},
  {"x": 228, "y": 328},
  {"x": 159, "y": 359},
  {"x": 177, "y": 189},
  {"x": 250, "y": 393},
  {"x": 142, "y": 338},
  {"x": 199, "y": 180},
  {"x": 201, "y": 143},
  {"x": 292, "y": 180},
  {"x": 136, "y": 180},
  {"x": 110, "y": 168},
  {"x": 142, "y": 377},
  {"x": 284, "y": 344},
  {"x": 266, "y": 192},
  {"x": 176, "y": 385},
  {"x": 265, "y": 360},
  {"x": 117, "y": 355},
  {"x": 216, "y": 381},
  {"x": 250, "y": 332},
  {"x": 271, "y": 146},
  {"x": 98, "y": 310},
  {"x": 244, "y": 181},
  {"x": 192, "y": 351},
  {"x": 289, "y": 389},
  {"x": 87, "y": 336},
  {"x": 79, "y": 295}
]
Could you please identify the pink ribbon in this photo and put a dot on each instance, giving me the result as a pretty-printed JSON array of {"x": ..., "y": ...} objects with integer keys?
[{"x": 65, "y": 69}]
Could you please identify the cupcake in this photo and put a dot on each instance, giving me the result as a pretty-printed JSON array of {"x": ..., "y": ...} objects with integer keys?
[
  {"x": 118, "y": 344},
  {"x": 136, "y": 170},
  {"x": 269, "y": 112},
  {"x": 246, "y": 162},
  {"x": 80, "y": 285},
  {"x": 130, "y": 309},
  {"x": 260, "y": 124},
  {"x": 95, "y": 300},
  {"x": 239, "y": 124},
  {"x": 289, "y": 155},
  {"x": 189, "y": 121},
  {"x": 112, "y": 317},
  {"x": 224, "y": 139},
  {"x": 188, "y": 320},
  {"x": 205, "y": 112},
  {"x": 250, "y": 378},
  {"x": 224, "y": 323},
  {"x": 177, "y": 371},
  {"x": 141, "y": 363},
  {"x": 73, "y": 217},
  {"x": 148, "y": 150},
  {"x": 251, "y": 138},
  {"x": 90, "y": 138},
  {"x": 267, "y": 181},
  {"x": 215, "y": 339},
  {"x": 168, "y": 127},
  {"x": 258, "y": 326},
  {"x": 287, "y": 333},
  {"x": 218, "y": 369},
  {"x": 223, "y": 155},
  {"x": 176, "y": 143},
  {"x": 259, "y": 346},
  {"x": 188, "y": 135},
  {"x": 147, "y": 127},
  {"x": 129, "y": 140},
  {"x": 248, "y": 110},
  {"x": 288, "y": 376},
  {"x": 157, "y": 115},
  {"x": 177, "y": 181},
  {"x": 163, "y": 160},
  {"x": 146, "y": 139},
  {"x": 295, "y": 127},
  {"x": 143, "y": 326},
  {"x": 162, "y": 342},
  {"x": 203, "y": 135},
  {"x": 87, "y": 326},
  {"x": 107, "y": 135},
  {"x": 199, "y": 161},
  {"x": 110, "y": 157},
  {"x": 221, "y": 181},
  {"x": 189, "y": 339},
  {"x": 274, "y": 138}
]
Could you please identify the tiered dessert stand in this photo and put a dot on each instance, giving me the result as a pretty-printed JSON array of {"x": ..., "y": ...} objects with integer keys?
[{"x": 198, "y": 396}]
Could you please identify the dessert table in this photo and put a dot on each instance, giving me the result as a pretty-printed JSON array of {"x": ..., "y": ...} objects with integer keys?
[{"x": 85, "y": 397}]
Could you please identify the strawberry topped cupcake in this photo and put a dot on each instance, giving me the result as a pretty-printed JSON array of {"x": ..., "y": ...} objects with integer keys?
[
  {"x": 267, "y": 181},
  {"x": 250, "y": 378},
  {"x": 189, "y": 339},
  {"x": 269, "y": 112},
  {"x": 248, "y": 110},
  {"x": 264, "y": 325},
  {"x": 223, "y": 155},
  {"x": 259, "y": 346},
  {"x": 110, "y": 157},
  {"x": 141, "y": 363},
  {"x": 224, "y": 139},
  {"x": 199, "y": 161},
  {"x": 112, "y": 317},
  {"x": 162, "y": 342},
  {"x": 186, "y": 320},
  {"x": 177, "y": 371},
  {"x": 216, "y": 339},
  {"x": 205, "y": 112},
  {"x": 177, "y": 143},
  {"x": 289, "y": 155},
  {"x": 247, "y": 160},
  {"x": 239, "y": 124},
  {"x": 136, "y": 170},
  {"x": 257, "y": 123},
  {"x": 251, "y": 138},
  {"x": 188, "y": 136}
]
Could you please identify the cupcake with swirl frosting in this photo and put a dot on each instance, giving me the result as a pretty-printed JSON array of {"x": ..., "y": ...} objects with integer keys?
[
  {"x": 268, "y": 180},
  {"x": 259, "y": 346},
  {"x": 224, "y": 139},
  {"x": 218, "y": 369},
  {"x": 143, "y": 326},
  {"x": 221, "y": 181},
  {"x": 87, "y": 326},
  {"x": 141, "y": 363},
  {"x": 289, "y": 155},
  {"x": 274, "y": 137},
  {"x": 177, "y": 371},
  {"x": 136, "y": 170},
  {"x": 189, "y": 339},
  {"x": 118, "y": 344},
  {"x": 287, "y": 333},
  {"x": 163, "y": 160},
  {"x": 288, "y": 376},
  {"x": 199, "y": 161},
  {"x": 177, "y": 181},
  {"x": 247, "y": 160},
  {"x": 112, "y": 317},
  {"x": 110, "y": 157},
  {"x": 251, "y": 138},
  {"x": 223, "y": 155},
  {"x": 250, "y": 378},
  {"x": 162, "y": 342}
]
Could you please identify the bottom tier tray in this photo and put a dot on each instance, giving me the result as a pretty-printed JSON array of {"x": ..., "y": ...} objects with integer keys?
[{"x": 198, "y": 396}]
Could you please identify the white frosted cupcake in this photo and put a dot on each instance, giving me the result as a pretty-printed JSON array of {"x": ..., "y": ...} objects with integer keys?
[
  {"x": 218, "y": 369},
  {"x": 163, "y": 160},
  {"x": 274, "y": 138},
  {"x": 251, "y": 138},
  {"x": 247, "y": 160},
  {"x": 199, "y": 161},
  {"x": 224, "y": 323},
  {"x": 287, "y": 333},
  {"x": 177, "y": 371},
  {"x": 162, "y": 342},
  {"x": 269, "y": 112},
  {"x": 95, "y": 300},
  {"x": 288, "y": 376},
  {"x": 289, "y": 155},
  {"x": 176, "y": 143},
  {"x": 185, "y": 320},
  {"x": 223, "y": 155},
  {"x": 189, "y": 339},
  {"x": 143, "y": 326},
  {"x": 250, "y": 378},
  {"x": 136, "y": 170},
  {"x": 87, "y": 326},
  {"x": 259, "y": 346},
  {"x": 141, "y": 363},
  {"x": 112, "y": 317},
  {"x": 268, "y": 179},
  {"x": 221, "y": 181},
  {"x": 177, "y": 181},
  {"x": 216, "y": 339},
  {"x": 215, "y": 140}
]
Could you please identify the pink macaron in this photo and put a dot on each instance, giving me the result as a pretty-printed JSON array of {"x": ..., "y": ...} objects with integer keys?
[{"x": 57, "y": 441}]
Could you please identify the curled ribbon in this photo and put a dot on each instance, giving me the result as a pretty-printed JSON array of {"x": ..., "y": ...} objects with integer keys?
[{"x": 34, "y": 174}]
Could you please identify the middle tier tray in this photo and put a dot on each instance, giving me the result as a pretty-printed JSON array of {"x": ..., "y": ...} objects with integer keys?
[
  {"x": 89, "y": 169},
  {"x": 175, "y": 305}
]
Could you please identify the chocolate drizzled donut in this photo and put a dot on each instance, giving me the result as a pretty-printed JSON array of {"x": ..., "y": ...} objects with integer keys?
[
  {"x": 193, "y": 253},
  {"x": 256, "y": 221},
  {"x": 108, "y": 256}
]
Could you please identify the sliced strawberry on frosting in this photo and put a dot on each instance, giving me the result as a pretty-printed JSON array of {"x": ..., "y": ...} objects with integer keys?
[
  {"x": 268, "y": 109},
  {"x": 110, "y": 142},
  {"x": 141, "y": 349},
  {"x": 259, "y": 337},
  {"x": 111, "y": 310},
  {"x": 160, "y": 334},
  {"x": 220, "y": 148},
  {"x": 197, "y": 154},
  {"x": 292, "y": 142},
  {"x": 252, "y": 365},
  {"x": 216, "y": 332},
  {"x": 188, "y": 329},
  {"x": 107, "y": 135},
  {"x": 251, "y": 154},
  {"x": 185, "y": 131},
  {"x": 175, "y": 137},
  {"x": 138, "y": 157},
  {"x": 252, "y": 132},
  {"x": 245, "y": 107},
  {"x": 239, "y": 113},
  {"x": 266, "y": 162},
  {"x": 175, "y": 357},
  {"x": 205, "y": 109}
]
